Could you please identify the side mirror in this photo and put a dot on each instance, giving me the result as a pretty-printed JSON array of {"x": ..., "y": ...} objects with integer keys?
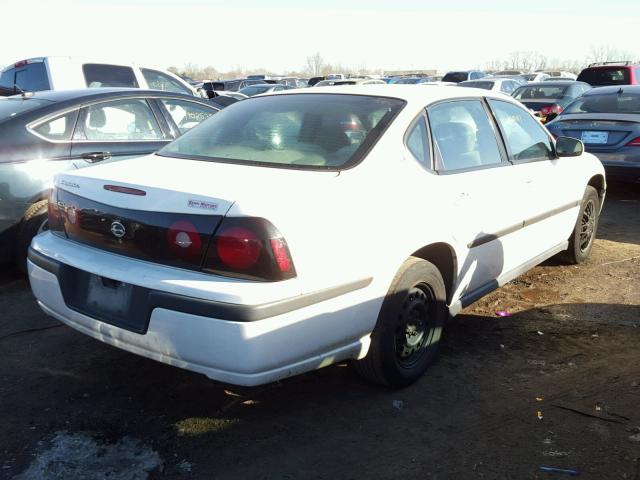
[{"x": 569, "y": 147}]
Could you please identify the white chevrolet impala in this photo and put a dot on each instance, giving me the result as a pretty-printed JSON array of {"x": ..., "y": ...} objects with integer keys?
[{"x": 295, "y": 230}]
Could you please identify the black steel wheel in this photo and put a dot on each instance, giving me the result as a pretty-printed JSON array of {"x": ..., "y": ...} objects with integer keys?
[
  {"x": 405, "y": 339},
  {"x": 585, "y": 229}
]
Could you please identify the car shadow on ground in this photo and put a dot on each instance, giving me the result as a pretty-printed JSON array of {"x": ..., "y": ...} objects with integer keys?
[{"x": 477, "y": 403}]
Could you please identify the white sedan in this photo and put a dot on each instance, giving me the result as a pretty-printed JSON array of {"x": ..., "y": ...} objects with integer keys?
[{"x": 295, "y": 230}]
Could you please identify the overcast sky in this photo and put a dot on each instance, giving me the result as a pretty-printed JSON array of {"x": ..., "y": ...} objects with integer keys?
[{"x": 280, "y": 34}]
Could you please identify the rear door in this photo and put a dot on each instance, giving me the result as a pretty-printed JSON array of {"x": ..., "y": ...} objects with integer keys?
[
  {"x": 476, "y": 187},
  {"x": 116, "y": 130}
]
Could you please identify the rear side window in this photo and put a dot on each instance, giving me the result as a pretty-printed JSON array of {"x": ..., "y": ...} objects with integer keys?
[
  {"x": 602, "y": 76},
  {"x": 312, "y": 131},
  {"x": 526, "y": 139},
  {"x": 32, "y": 77},
  {"x": 418, "y": 143},
  {"x": 59, "y": 128},
  {"x": 97, "y": 75},
  {"x": 185, "y": 114},
  {"x": 119, "y": 120},
  {"x": 161, "y": 81},
  {"x": 463, "y": 135}
]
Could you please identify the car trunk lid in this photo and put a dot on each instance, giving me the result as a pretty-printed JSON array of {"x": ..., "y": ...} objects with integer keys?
[
  {"x": 160, "y": 209},
  {"x": 599, "y": 130}
]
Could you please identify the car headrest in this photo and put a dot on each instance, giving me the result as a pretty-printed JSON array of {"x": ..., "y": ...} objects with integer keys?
[{"x": 97, "y": 118}]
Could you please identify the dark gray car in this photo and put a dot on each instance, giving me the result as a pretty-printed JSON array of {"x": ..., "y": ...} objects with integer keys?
[
  {"x": 607, "y": 120},
  {"x": 44, "y": 133}
]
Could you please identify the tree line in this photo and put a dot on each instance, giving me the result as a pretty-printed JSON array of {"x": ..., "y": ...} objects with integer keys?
[{"x": 315, "y": 65}]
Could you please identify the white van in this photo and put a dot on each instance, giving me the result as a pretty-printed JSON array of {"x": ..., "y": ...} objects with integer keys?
[{"x": 70, "y": 73}]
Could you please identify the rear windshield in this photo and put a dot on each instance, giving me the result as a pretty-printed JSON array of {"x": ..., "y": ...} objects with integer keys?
[
  {"x": 303, "y": 131},
  {"x": 539, "y": 93},
  {"x": 455, "y": 77},
  {"x": 11, "y": 107},
  {"x": 616, "y": 102},
  {"x": 480, "y": 84},
  {"x": 603, "y": 76},
  {"x": 251, "y": 91}
]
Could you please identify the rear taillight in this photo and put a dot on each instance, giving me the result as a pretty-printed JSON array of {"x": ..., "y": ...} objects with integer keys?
[
  {"x": 634, "y": 143},
  {"x": 21, "y": 63},
  {"x": 250, "y": 248},
  {"x": 55, "y": 213},
  {"x": 551, "y": 109}
]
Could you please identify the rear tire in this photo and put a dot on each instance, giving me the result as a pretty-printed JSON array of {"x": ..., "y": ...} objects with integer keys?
[
  {"x": 33, "y": 222},
  {"x": 406, "y": 337},
  {"x": 584, "y": 232}
]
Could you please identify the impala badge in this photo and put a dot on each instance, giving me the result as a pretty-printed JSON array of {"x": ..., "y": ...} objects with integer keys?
[{"x": 118, "y": 229}]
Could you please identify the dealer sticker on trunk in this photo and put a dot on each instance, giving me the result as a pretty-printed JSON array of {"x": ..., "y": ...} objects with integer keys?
[{"x": 201, "y": 204}]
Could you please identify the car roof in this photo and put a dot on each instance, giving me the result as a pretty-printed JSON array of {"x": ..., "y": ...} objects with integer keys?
[
  {"x": 554, "y": 83},
  {"x": 612, "y": 65},
  {"x": 96, "y": 93},
  {"x": 409, "y": 93},
  {"x": 613, "y": 89}
]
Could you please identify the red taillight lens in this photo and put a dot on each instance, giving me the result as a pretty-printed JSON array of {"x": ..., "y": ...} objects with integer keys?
[
  {"x": 249, "y": 248},
  {"x": 634, "y": 143},
  {"x": 21, "y": 63},
  {"x": 551, "y": 109},
  {"x": 184, "y": 239},
  {"x": 238, "y": 248},
  {"x": 281, "y": 254}
]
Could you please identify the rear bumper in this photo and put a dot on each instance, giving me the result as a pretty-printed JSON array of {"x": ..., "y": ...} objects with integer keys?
[
  {"x": 622, "y": 165},
  {"x": 262, "y": 344}
]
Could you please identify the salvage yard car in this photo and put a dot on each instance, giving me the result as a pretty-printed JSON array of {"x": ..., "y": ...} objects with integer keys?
[
  {"x": 267, "y": 242},
  {"x": 47, "y": 132},
  {"x": 504, "y": 85},
  {"x": 550, "y": 98},
  {"x": 71, "y": 73},
  {"x": 607, "y": 120}
]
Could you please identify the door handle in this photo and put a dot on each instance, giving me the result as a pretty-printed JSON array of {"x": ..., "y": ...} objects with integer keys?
[{"x": 93, "y": 157}]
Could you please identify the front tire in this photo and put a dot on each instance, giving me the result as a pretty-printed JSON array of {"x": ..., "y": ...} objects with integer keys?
[
  {"x": 33, "y": 223},
  {"x": 406, "y": 337},
  {"x": 584, "y": 232}
]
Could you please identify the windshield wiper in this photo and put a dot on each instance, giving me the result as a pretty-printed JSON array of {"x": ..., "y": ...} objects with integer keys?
[{"x": 22, "y": 92}]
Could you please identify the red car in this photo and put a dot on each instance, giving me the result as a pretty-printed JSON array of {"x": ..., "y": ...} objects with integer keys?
[{"x": 611, "y": 73}]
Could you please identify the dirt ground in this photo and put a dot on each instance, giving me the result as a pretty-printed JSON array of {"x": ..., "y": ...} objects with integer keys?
[{"x": 556, "y": 384}]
